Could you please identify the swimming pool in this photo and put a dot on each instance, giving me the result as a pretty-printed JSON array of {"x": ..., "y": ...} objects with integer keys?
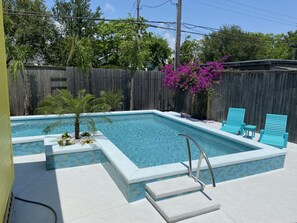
[
  {"x": 142, "y": 146},
  {"x": 146, "y": 139}
]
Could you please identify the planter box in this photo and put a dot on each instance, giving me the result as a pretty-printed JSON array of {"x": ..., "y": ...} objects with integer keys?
[{"x": 69, "y": 156}]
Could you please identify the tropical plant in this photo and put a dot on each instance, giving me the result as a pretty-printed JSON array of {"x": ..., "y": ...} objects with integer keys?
[
  {"x": 83, "y": 22},
  {"x": 17, "y": 67},
  {"x": 64, "y": 103},
  {"x": 134, "y": 54},
  {"x": 36, "y": 32},
  {"x": 232, "y": 41},
  {"x": 113, "y": 99},
  {"x": 189, "y": 50}
]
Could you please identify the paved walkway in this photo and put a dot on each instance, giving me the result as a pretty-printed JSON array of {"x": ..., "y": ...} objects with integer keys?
[{"x": 88, "y": 194}]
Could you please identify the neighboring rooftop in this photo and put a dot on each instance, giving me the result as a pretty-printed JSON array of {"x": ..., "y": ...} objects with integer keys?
[
  {"x": 88, "y": 194},
  {"x": 268, "y": 64}
]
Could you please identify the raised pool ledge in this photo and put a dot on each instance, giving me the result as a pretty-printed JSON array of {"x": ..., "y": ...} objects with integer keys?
[{"x": 69, "y": 156}]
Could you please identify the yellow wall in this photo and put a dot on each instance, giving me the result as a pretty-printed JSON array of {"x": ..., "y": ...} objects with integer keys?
[{"x": 6, "y": 162}]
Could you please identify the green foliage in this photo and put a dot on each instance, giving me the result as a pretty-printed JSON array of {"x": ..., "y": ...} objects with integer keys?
[
  {"x": 19, "y": 56},
  {"x": 241, "y": 45},
  {"x": 74, "y": 45},
  {"x": 80, "y": 53},
  {"x": 231, "y": 41},
  {"x": 32, "y": 31},
  {"x": 158, "y": 49},
  {"x": 80, "y": 27},
  {"x": 132, "y": 57},
  {"x": 64, "y": 103},
  {"x": 113, "y": 99},
  {"x": 189, "y": 51}
]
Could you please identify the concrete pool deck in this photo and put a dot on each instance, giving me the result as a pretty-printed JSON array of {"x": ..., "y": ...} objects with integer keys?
[{"x": 88, "y": 194}]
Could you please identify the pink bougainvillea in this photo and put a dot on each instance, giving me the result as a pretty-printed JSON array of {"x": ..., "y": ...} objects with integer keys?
[{"x": 192, "y": 76}]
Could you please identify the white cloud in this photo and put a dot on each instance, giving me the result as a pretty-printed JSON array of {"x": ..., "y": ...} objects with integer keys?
[
  {"x": 109, "y": 7},
  {"x": 170, "y": 39}
]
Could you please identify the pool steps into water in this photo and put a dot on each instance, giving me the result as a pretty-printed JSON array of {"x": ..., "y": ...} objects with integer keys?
[{"x": 179, "y": 198}]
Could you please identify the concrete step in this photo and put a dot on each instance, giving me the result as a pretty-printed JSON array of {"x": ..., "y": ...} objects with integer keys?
[
  {"x": 183, "y": 207},
  {"x": 172, "y": 187}
]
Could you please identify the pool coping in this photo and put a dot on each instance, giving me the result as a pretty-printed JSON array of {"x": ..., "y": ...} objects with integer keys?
[{"x": 133, "y": 174}]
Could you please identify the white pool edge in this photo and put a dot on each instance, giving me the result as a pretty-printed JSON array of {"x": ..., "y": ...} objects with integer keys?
[{"x": 132, "y": 174}]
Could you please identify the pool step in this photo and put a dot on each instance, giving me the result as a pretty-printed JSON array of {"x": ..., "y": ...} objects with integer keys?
[
  {"x": 179, "y": 198},
  {"x": 185, "y": 206},
  {"x": 172, "y": 187}
]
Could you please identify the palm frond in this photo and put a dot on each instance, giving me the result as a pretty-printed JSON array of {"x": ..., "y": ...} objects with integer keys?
[
  {"x": 51, "y": 127},
  {"x": 90, "y": 124},
  {"x": 113, "y": 99}
]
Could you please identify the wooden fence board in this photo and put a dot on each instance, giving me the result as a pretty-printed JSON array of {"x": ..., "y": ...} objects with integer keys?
[{"x": 259, "y": 92}]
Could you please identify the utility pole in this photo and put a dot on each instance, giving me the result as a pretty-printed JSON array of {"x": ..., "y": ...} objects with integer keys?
[
  {"x": 178, "y": 33},
  {"x": 138, "y": 24}
]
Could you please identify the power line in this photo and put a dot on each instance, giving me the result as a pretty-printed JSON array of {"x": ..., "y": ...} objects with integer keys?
[
  {"x": 261, "y": 9},
  {"x": 30, "y": 13},
  {"x": 149, "y": 23},
  {"x": 257, "y": 13},
  {"x": 156, "y": 6},
  {"x": 192, "y": 26},
  {"x": 183, "y": 31},
  {"x": 242, "y": 13},
  {"x": 132, "y": 7}
]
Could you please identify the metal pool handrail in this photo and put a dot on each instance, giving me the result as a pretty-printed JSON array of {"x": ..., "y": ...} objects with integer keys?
[{"x": 202, "y": 155}]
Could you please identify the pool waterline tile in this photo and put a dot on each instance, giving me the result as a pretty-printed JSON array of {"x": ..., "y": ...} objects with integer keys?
[{"x": 131, "y": 180}]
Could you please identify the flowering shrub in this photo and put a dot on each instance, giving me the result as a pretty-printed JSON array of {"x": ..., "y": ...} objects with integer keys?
[{"x": 192, "y": 76}]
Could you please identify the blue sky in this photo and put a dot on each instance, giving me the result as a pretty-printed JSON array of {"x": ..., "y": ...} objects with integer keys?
[{"x": 267, "y": 16}]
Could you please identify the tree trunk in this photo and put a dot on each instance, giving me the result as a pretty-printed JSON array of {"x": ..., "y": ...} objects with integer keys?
[
  {"x": 89, "y": 84},
  {"x": 199, "y": 106},
  {"x": 76, "y": 126},
  {"x": 131, "y": 93},
  {"x": 90, "y": 81},
  {"x": 180, "y": 98},
  {"x": 26, "y": 93}
]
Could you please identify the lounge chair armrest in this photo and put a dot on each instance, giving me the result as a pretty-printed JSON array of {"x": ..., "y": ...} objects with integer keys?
[
  {"x": 286, "y": 136},
  {"x": 242, "y": 128},
  {"x": 224, "y": 122}
]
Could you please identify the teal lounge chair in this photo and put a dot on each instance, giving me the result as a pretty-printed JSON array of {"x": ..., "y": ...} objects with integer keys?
[
  {"x": 234, "y": 123},
  {"x": 275, "y": 131}
]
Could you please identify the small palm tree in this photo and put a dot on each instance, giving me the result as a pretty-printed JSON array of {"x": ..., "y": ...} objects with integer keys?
[
  {"x": 64, "y": 103},
  {"x": 114, "y": 99}
]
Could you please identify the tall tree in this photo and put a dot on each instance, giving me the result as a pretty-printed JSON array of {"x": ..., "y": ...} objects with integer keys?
[
  {"x": 110, "y": 36},
  {"x": 234, "y": 42},
  {"x": 291, "y": 40},
  {"x": 23, "y": 29},
  {"x": 159, "y": 51},
  {"x": 189, "y": 50},
  {"x": 133, "y": 57},
  {"x": 76, "y": 17}
]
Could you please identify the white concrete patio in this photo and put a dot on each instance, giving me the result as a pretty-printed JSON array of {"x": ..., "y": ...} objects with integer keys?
[{"x": 88, "y": 194}]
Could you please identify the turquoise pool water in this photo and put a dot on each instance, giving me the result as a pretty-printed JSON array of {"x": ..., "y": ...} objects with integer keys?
[
  {"x": 30, "y": 148},
  {"x": 146, "y": 139}
]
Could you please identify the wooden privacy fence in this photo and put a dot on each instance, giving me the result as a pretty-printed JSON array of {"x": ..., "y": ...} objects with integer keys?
[
  {"x": 259, "y": 92},
  {"x": 149, "y": 92}
]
